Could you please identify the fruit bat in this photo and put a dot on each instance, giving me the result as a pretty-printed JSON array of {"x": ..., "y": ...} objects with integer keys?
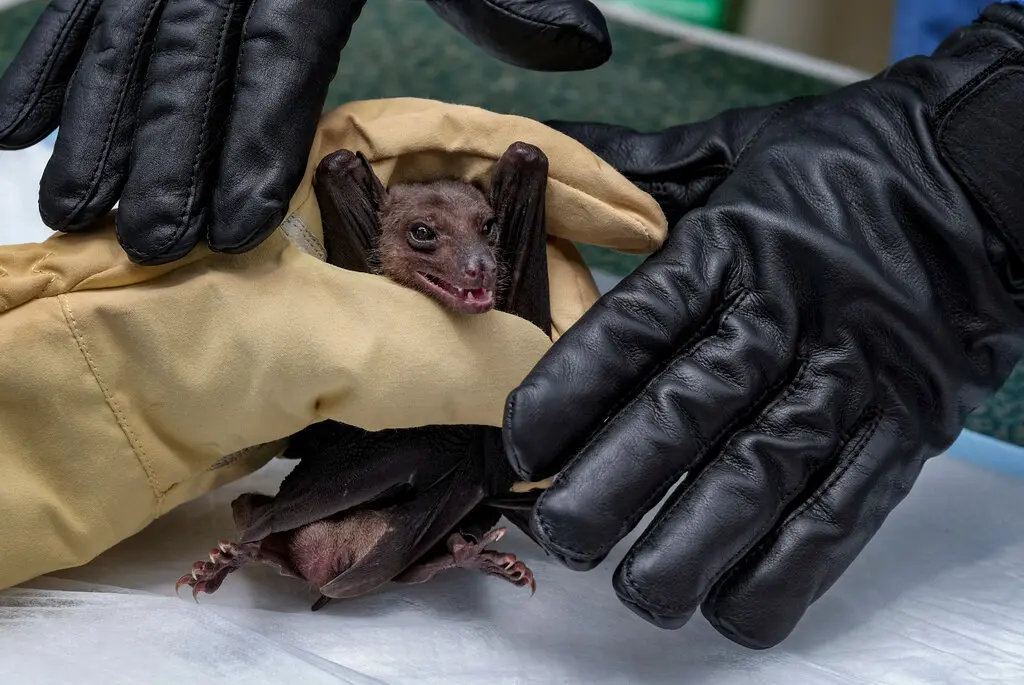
[{"x": 365, "y": 508}]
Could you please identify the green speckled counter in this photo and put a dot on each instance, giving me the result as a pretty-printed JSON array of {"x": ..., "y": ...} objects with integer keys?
[{"x": 400, "y": 48}]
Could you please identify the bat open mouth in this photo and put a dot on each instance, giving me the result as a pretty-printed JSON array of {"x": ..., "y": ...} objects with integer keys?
[{"x": 475, "y": 300}]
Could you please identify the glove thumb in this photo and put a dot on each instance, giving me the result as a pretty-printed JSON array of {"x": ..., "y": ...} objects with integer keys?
[{"x": 681, "y": 165}]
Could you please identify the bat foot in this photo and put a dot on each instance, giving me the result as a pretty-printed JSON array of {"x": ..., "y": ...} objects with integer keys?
[
  {"x": 469, "y": 553},
  {"x": 465, "y": 551},
  {"x": 207, "y": 576}
]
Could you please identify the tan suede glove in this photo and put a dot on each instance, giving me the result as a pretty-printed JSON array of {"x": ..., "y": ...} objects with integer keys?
[{"x": 127, "y": 390}]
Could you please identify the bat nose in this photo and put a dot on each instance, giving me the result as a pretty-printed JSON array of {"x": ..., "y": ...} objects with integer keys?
[{"x": 479, "y": 268}]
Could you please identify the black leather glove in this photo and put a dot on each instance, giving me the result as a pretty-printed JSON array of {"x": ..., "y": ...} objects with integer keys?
[
  {"x": 838, "y": 291},
  {"x": 199, "y": 115}
]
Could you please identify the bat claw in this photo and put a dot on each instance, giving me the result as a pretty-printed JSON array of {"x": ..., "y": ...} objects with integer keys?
[
  {"x": 207, "y": 576},
  {"x": 320, "y": 603},
  {"x": 473, "y": 555}
]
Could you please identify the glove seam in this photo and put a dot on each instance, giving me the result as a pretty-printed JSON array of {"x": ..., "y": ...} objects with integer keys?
[
  {"x": 727, "y": 304},
  {"x": 658, "y": 493},
  {"x": 724, "y": 309},
  {"x": 42, "y": 76},
  {"x": 791, "y": 382},
  {"x": 119, "y": 416},
  {"x": 755, "y": 554},
  {"x": 181, "y": 225},
  {"x": 243, "y": 44},
  {"x": 784, "y": 107},
  {"x": 111, "y": 126},
  {"x": 241, "y": 59},
  {"x": 955, "y": 100}
]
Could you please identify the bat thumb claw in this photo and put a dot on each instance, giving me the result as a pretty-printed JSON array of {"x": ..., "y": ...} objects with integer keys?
[{"x": 320, "y": 603}]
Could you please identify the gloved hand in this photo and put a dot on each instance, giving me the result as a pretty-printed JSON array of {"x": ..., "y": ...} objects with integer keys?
[
  {"x": 837, "y": 292},
  {"x": 199, "y": 115}
]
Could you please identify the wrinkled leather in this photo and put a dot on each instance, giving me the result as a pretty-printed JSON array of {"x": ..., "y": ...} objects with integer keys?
[
  {"x": 830, "y": 304},
  {"x": 198, "y": 115}
]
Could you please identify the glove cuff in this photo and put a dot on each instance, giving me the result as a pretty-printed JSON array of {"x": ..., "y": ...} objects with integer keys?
[{"x": 979, "y": 132}]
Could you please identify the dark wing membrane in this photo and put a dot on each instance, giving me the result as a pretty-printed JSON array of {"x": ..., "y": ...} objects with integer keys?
[
  {"x": 343, "y": 467},
  {"x": 518, "y": 194},
  {"x": 349, "y": 195}
]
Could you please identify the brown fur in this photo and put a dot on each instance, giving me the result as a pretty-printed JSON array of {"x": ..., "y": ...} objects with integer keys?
[{"x": 461, "y": 253}]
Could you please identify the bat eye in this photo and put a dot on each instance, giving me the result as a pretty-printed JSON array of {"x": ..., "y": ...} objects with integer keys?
[
  {"x": 488, "y": 228},
  {"x": 422, "y": 234}
]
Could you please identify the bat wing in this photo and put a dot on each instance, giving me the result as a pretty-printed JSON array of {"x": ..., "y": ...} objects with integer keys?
[
  {"x": 349, "y": 195},
  {"x": 343, "y": 467},
  {"x": 518, "y": 195}
]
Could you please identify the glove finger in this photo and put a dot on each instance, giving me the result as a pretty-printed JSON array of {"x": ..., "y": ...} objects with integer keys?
[
  {"x": 679, "y": 166},
  {"x": 552, "y": 35},
  {"x": 727, "y": 506},
  {"x": 33, "y": 86},
  {"x": 85, "y": 173},
  {"x": 679, "y": 419},
  {"x": 289, "y": 55},
  {"x": 655, "y": 315},
  {"x": 188, "y": 90},
  {"x": 760, "y": 602}
]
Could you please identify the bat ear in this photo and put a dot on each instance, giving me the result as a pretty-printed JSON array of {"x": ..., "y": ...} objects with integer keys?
[
  {"x": 350, "y": 195},
  {"x": 377, "y": 190}
]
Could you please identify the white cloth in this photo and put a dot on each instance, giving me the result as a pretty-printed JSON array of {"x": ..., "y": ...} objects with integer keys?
[{"x": 936, "y": 598}]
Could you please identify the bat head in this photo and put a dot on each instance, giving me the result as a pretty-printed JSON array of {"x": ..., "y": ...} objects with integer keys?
[{"x": 441, "y": 238}]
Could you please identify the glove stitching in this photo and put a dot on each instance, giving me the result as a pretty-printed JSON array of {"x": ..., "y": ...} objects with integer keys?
[
  {"x": 118, "y": 108},
  {"x": 30, "y": 98},
  {"x": 956, "y": 100},
  {"x": 119, "y": 415},
  {"x": 716, "y": 318},
  {"x": 729, "y": 568},
  {"x": 667, "y": 193},
  {"x": 181, "y": 225},
  {"x": 722, "y": 310},
  {"x": 865, "y": 431},
  {"x": 241, "y": 60},
  {"x": 791, "y": 382},
  {"x": 243, "y": 45},
  {"x": 784, "y": 107},
  {"x": 581, "y": 555}
]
